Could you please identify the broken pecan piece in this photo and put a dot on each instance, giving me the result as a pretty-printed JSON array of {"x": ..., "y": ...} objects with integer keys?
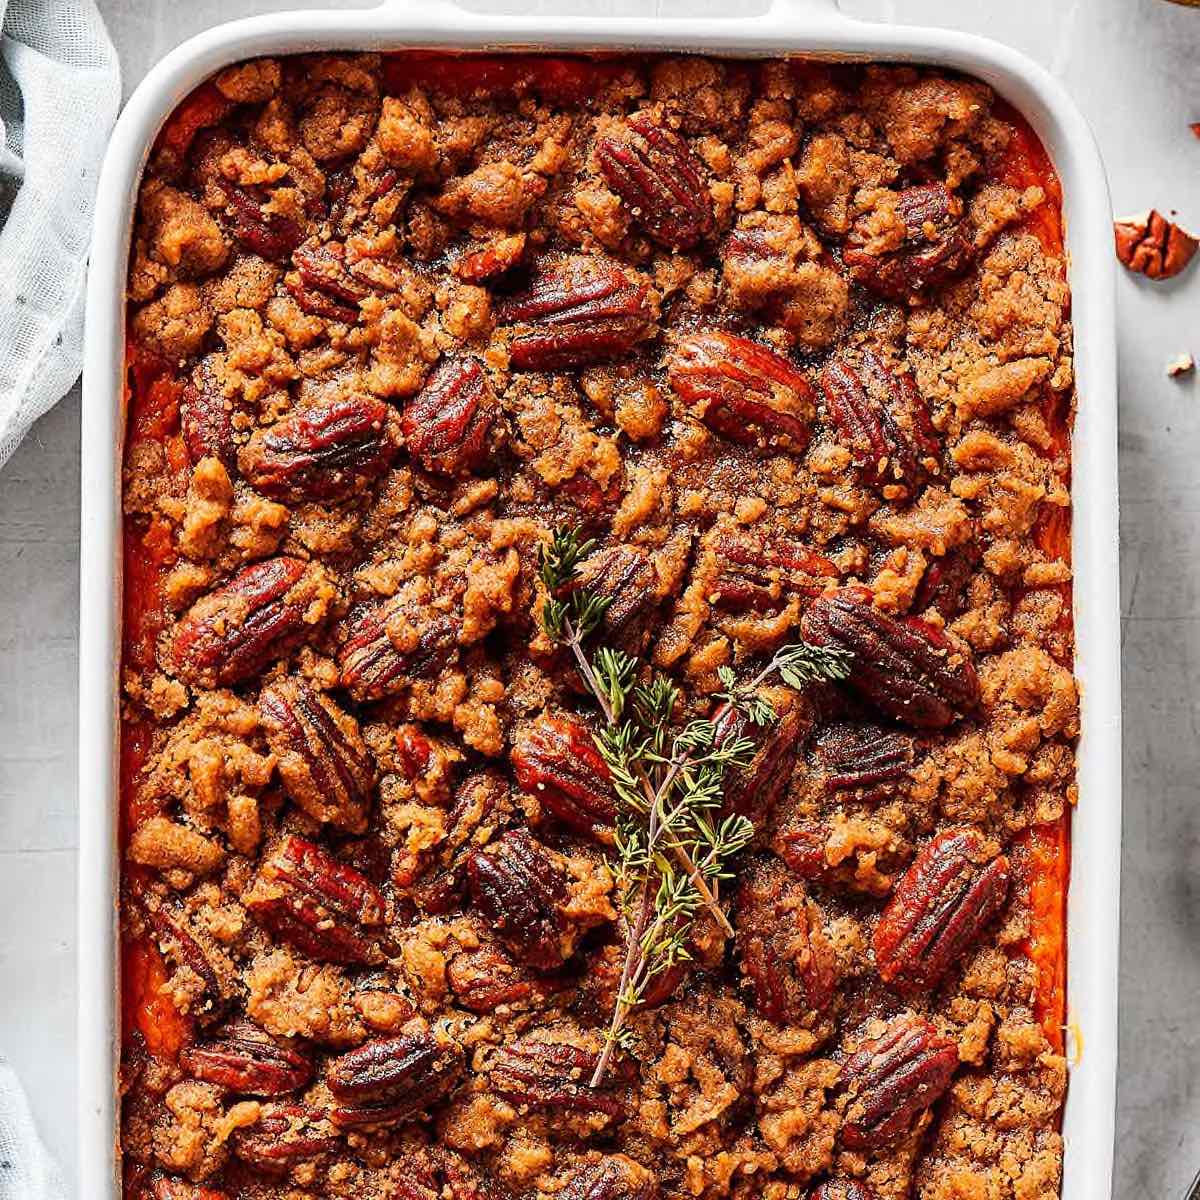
[
  {"x": 247, "y": 1061},
  {"x": 258, "y": 615},
  {"x": 321, "y": 906},
  {"x": 322, "y": 285},
  {"x": 556, "y": 760},
  {"x": 786, "y": 957},
  {"x": 447, "y": 424},
  {"x": 944, "y": 581},
  {"x": 742, "y": 390},
  {"x": 268, "y": 234},
  {"x": 755, "y": 789},
  {"x": 577, "y": 310},
  {"x": 614, "y": 1177},
  {"x": 176, "y": 942},
  {"x": 388, "y": 1081},
  {"x": 866, "y": 760},
  {"x": 939, "y": 907},
  {"x": 880, "y": 417},
  {"x": 485, "y": 979},
  {"x": 325, "y": 452},
  {"x": 322, "y": 759},
  {"x": 842, "y": 1189},
  {"x": 625, "y": 577},
  {"x": 167, "y": 1187},
  {"x": 552, "y": 1075},
  {"x": 284, "y": 1135},
  {"x": 1153, "y": 246},
  {"x": 373, "y": 665},
  {"x": 760, "y": 572},
  {"x": 660, "y": 179},
  {"x": 890, "y": 1079},
  {"x": 521, "y": 892},
  {"x": 906, "y": 668},
  {"x": 935, "y": 249}
]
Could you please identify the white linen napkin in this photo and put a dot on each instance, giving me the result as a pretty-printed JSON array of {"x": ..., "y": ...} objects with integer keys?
[
  {"x": 27, "y": 1172},
  {"x": 60, "y": 88}
]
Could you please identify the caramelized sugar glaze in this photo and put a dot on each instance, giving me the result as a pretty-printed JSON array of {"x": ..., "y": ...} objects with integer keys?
[{"x": 792, "y": 343}]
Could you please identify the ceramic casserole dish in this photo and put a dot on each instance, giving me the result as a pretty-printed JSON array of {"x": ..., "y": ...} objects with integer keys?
[{"x": 790, "y": 27}]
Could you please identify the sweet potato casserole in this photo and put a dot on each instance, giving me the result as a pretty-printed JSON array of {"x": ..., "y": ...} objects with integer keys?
[{"x": 598, "y": 715}]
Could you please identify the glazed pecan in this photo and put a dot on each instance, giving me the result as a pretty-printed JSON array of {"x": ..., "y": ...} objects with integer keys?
[
  {"x": 388, "y": 1081},
  {"x": 940, "y": 906},
  {"x": 577, "y": 310},
  {"x": 552, "y": 1075},
  {"x": 167, "y": 1187},
  {"x": 556, "y": 760},
  {"x": 256, "y": 616},
  {"x": 935, "y": 249},
  {"x": 760, "y": 572},
  {"x": 177, "y": 944},
  {"x": 268, "y": 234},
  {"x": 325, "y": 452},
  {"x": 206, "y": 421},
  {"x": 246, "y": 1060},
  {"x": 308, "y": 898},
  {"x": 1153, "y": 246},
  {"x": 321, "y": 283},
  {"x": 448, "y": 423},
  {"x": 880, "y": 417},
  {"x": 614, "y": 1177},
  {"x": 373, "y": 665},
  {"x": 755, "y": 789},
  {"x": 660, "y": 179},
  {"x": 485, "y": 979},
  {"x": 322, "y": 759},
  {"x": 499, "y": 255},
  {"x": 842, "y": 1189},
  {"x": 742, "y": 390},
  {"x": 625, "y": 577},
  {"x": 283, "y": 1136},
  {"x": 786, "y": 957},
  {"x": 944, "y": 581},
  {"x": 890, "y": 1079},
  {"x": 866, "y": 760},
  {"x": 521, "y": 890},
  {"x": 905, "y": 667}
]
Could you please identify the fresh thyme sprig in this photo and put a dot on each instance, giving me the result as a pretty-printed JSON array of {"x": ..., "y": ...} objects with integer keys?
[{"x": 673, "y": 848}]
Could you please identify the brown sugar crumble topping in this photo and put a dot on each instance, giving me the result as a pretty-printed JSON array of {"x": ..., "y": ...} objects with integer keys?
[{"x": 790, "y": 344}]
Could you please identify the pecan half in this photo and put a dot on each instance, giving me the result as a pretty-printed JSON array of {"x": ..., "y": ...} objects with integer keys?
[
  {"x": 756, "y": 788},
  {"x": 880, "y": 417},
  {"x": 325, "y": 452},
  {"x": 447, "y": 424},
  {"x": 245, "y": 1060},
  {"x": 551, "y": 1075},
  {"x": 268, "y": 234},
  {"x": 742, "y": 390},
  {"x": 388, "y": 1081},
  {"x": 614, "y": 1177},
  {"x": 521, "y": 890},
  {"x": 889, "y": 1080},
  {"x": 940, "y": 906},
  {"x": 283, "y": 1136},
  {"x": 499, "y": 255},
  {"x": 936, "y": 246},
  {"x": 660, "y": 179},
  {"x": 1153, "y": 246},
  {"x": 906, "y": 668},
  {"x": 323, "y": 907},
  {"x": 322, "y": 759},
  {"x": 760, "y": 572},
  {"x": 577, "y": 310},
  {"x": 258, "y": 615},
  {"x": 625, "y": 576},
  {"x": 321, "y": 283},
  {"x": 556, "y": 760},
  {"x": 373, "y": 665},
  {"x": 786, "y": 957},
  {"x": 865, "y": 760},
  {"x": 206, "y": 421}
]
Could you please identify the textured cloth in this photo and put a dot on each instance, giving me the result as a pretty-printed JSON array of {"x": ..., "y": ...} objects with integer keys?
[
  {"x": 60, "y": 88},
  {"x": 27, "y": 1172}
]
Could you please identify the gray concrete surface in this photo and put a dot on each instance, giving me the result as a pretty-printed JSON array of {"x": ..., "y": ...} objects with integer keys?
[{"x": 1132, "y": 64}]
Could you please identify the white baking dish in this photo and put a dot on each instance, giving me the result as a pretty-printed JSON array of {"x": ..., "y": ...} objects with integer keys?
[{"x": 790, "y": 27}]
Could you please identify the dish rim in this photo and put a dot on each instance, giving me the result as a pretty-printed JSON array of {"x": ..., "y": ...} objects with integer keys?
[{"x": 811, "y": 28}]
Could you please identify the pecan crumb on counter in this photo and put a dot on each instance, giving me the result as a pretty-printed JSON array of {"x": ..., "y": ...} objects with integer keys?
[{"x": 789, "y": 344}]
